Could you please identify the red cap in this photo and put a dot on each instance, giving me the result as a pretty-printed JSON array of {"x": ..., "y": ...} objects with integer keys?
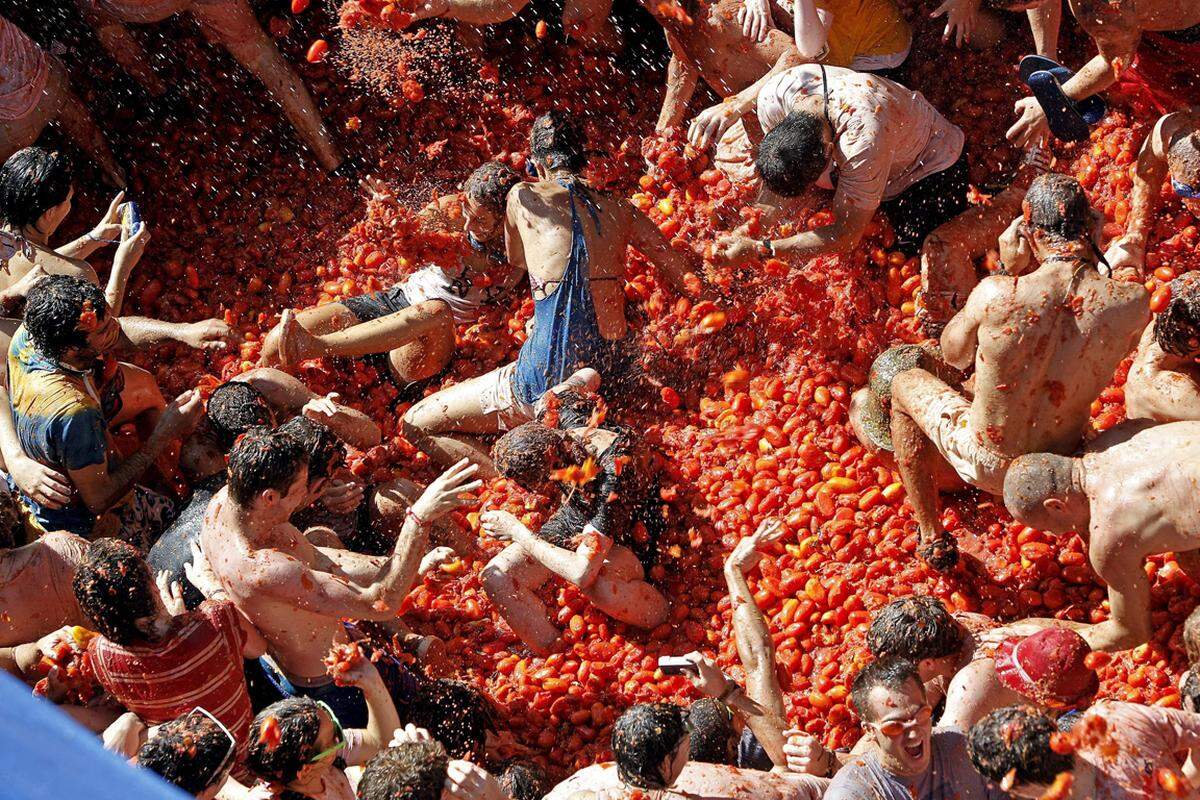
[{"x": 1047, "y": 668}]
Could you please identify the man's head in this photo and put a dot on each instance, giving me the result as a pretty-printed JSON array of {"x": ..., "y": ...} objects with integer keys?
[
  {"x": 529, "y": 453},
  {"x": 1017, "y": 740},
  {"x": 235, "y": 407},
  {"x": 192, "y": 752},
  {"x": 1189, "y": 691},
  {"x": 323, "y": 449},
  {"x": 714, "y": 741},
  {"x": 408, "y": 771},
  {"x": 1177, "y": 327},
  {"x": 1057, "y": 212},
  {"x": 268, "y": 473},
  {"x": 1191, "y": 637},
  {"x": 455, "y": 714},
  {"x": 523, "y": 780},
  {"x": 296, "y": 739},
  {"x": 557, "y": 143},
  {"x": 1040, "y": 490},
  {"x": 650, "y": 744},
  {"x": 116, "y": 591},
  {"x": 69, "y": 322},
  {"x": 485, "y": 194},
  {"x": 921, "y": 630},
  {"x": 890, "y": 699},
  {"x": 794, "y": 153},
  {"x": 1048, "y": 669},
  {"x": 36, "y": 186},
  {"x": 1183, "y": 161}
]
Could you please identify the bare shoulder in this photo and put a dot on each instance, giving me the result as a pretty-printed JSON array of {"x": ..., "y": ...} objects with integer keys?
[{"x": 992, "y": 289}]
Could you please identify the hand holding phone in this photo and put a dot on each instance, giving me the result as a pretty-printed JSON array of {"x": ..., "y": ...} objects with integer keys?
[{"x": 676, "y": 665}]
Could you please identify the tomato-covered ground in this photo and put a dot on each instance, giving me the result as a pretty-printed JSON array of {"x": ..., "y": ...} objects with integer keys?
[{"x": 752, "y": 420}]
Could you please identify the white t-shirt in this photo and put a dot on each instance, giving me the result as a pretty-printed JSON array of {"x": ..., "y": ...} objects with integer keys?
[
  {"x": 464, "y": 291},
  {"x": 887, "y": 137}
]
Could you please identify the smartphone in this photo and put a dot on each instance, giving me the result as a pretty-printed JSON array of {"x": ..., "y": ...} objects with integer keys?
[
  {"x": 131, "y": 218},
  {"x": 675, "y": 665}
]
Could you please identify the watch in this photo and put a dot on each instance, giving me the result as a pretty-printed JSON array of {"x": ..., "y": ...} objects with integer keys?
[{"x": 767, "y": 248}]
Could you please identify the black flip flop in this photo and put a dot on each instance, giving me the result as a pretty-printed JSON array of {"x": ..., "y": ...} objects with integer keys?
[{"x": 1069, "y": 120}]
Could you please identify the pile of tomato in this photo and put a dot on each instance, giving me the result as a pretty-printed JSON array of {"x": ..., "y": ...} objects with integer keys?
[{"x": 751, "y": 413}]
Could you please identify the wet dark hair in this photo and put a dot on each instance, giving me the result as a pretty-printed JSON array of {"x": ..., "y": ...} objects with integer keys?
[
  {"x": 1177, "y": 327},
  {"x": 572, "y": 408},
  {"x": 524, "y": 780},
  {"x": 407, "y": 771},
  {"x": 187, "y": 752},
  {"x": 1183, "y": 159},
  {"x": 325, "y": 450},
  {"x": 114, "y": 588},
  {"x": 455, "y": 714},
  {"x": 299, "y": 720},
  {"x": 1016, "y": 739},
  {"x": 792, "y": 155},
  {"x": 712, "y": 732},
  {"x": 490, "y": 183},
  {"x": 1059, "y": 207},
  {"x": 915, "y": 628},
  {"x": 1191, "y": 637},
  {"x": 1032, "y": 479},
  {"x": 528, "y": 453},
  {"x": 52, "y": 311},
  {"x": 642, "y": 737},
  {"x": 33, "y": 181},
  {"x": 890, "y": 673},
  {"x": 1189, "y": 691},
  {"x": 557, "y": 141},
  {"x": 235, "y": 407},
  {"x": 263, "y": 459}
]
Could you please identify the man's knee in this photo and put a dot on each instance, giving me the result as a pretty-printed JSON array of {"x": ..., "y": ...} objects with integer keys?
[{"x": 389, "y": 503}]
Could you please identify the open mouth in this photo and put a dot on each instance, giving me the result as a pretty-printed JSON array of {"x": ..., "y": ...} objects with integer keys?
[{"x": 915, "y": 750}]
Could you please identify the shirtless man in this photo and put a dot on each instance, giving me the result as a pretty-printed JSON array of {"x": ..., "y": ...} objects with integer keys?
[
  {"x": 588, "y": 542},
  {"x": 231, "y": 24},
  {"x": 407, "y": 331},
  {"x": 1043, "y": 346},
  {"x": 1117, "y": 27},
  {"x": 1164, "y": 379},
  {"x": 1130, "y": 496},
  {"x": 295, "y": 593},
  {"x": 571, "y": 240},
  {"x": 650, "y": 746},
  {"x": 35, "y": 91},
  {"x": 1171, "y": 150},
  {"x": 35, "y": 587}
]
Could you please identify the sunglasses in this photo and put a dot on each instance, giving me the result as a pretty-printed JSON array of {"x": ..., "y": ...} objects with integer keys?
[
  {"x": 231, "y": 754},
  {"x": 1184, "y": 190},
  {"x": 895, "y": 727},
  {"x": 339, "y": 736}
]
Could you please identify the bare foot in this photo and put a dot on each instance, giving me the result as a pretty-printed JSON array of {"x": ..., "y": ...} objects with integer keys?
[{"x": 296, "y": 344}]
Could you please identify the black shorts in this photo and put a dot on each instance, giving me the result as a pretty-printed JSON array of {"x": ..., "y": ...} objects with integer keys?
[
  {"x": 377, "y": 304},
  {"x": 927, "y": 204}
]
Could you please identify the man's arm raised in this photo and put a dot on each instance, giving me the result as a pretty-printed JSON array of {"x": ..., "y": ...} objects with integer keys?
[
  {"x": 682, "y": 77},
  {"x": 647, "y": 239},
  {"x": 580, "y": 567},
  {"x": 1130, "y": 249},
  {"x": 378, "y": 598}
]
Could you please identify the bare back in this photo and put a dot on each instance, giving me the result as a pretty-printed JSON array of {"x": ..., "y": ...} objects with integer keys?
[
  {"x": 1048, "y": 344},
  {"x": 539, "y": 215},
  {"x": 1118, "y": 24},
  {"x": 53, "y": 263},
  {"x": 268, "y": 587},
  {"x": 728, "y": 60},
  {"x": 1161, "y": 386},
  {"x": 698, "y": 781},
  {"x": 1143, "y": 488}
]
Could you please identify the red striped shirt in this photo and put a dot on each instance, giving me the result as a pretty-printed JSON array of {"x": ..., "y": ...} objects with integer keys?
[{"x": 198, "y": 663}]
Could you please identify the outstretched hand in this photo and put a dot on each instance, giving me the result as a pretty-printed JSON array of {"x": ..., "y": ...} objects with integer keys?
[
  {"x": 962, "y": 16},
  {"x": 445, "y": 493},
  {"x": 747, "y": 553},
  {"x": 755, "y": 19}
]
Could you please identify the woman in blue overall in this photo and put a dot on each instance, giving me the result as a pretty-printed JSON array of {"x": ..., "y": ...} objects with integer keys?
[{"x": 572, "y": 240}]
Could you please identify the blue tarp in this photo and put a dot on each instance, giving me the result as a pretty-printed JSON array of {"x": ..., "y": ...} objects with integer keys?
[{"x": 45, "y": 755}]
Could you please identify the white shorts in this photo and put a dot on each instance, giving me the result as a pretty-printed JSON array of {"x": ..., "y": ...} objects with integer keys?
[
  {"x": 871, "y": 63},
  {"x": 497, "y": 397},
  {"x": 946, "y": 421}
]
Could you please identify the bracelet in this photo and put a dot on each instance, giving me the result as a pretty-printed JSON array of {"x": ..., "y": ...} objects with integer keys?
[
  {"x": 730, "y": 691},
  {"x": 768, "y": 247},
  {"x": 416, "y": 518}
]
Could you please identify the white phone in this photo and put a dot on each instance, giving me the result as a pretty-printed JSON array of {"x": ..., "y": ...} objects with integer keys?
[{"x": 676, "y": 665}]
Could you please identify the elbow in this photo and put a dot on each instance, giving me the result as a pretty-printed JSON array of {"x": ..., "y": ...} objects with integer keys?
[{"x": 809, "y": 50}]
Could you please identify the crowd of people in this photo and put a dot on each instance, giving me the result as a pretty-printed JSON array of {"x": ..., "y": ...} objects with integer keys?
[{"x": 248, "y": 637}]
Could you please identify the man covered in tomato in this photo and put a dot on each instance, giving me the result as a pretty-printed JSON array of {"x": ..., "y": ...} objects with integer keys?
[
  {"x": 407, "y": 331},
  {"x": 572, "y": 240},
  {"x": 232, "y": 24},
  {"x": 1043, "y": 346},
  {"x": 610, "y": 515},
  {"x": 1164, "y": 379},
  {"x": 650, "y": 744},
  {"x": 1129, "y": 494},
  {"x": 1170, "y": 152},
  {"x": 297, "y": 593}
]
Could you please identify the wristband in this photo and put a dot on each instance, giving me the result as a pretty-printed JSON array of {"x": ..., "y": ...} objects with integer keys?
[
  {"x": 730, "y": 691},
  {"x": 416, "y": 518},
  {"x": 768, "y": 247}
]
